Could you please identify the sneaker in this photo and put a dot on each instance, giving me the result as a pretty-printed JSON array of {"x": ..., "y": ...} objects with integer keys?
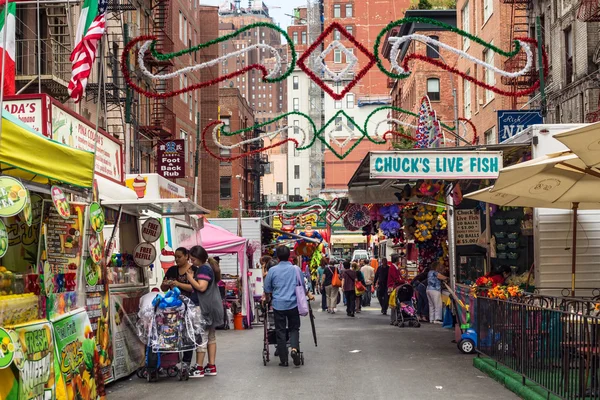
[
  {"x": 296, "y": 357},
  {"x": 197, "y": 372},
  {"x": 210, "y": 370},
  {"x": 438, "y": 322}
]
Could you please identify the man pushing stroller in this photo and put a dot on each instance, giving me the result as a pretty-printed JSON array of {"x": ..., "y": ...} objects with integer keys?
[{"x": 280, "y": 288}]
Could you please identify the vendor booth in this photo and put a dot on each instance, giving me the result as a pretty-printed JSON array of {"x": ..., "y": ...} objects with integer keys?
[{"x": 46, "y": 235}]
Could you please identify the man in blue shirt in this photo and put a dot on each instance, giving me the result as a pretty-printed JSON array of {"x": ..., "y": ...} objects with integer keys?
[{"x": 280, "y": 286}]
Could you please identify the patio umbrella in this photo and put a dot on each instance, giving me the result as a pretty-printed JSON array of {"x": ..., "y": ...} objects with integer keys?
[
  {"x": 560, "y": 180},
  {"x": 584, "y": 142}
]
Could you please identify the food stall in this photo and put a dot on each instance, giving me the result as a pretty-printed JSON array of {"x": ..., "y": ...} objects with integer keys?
[{"x": 44, "y": 239}]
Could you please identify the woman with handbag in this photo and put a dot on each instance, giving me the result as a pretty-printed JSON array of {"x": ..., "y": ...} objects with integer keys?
[
  {"x": 348, "y": 282},
  {"x": 360, "y": 286},
  {"x": 332, "y": 283}
]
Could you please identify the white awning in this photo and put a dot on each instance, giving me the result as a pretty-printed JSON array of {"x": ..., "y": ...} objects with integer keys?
[
  {"x": 164, "y": 207},
  {"x": 348, "y": 239},
  {"x": 109, "y": 190}
]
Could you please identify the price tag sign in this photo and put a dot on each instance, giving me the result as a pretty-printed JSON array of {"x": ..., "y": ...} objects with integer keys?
[{"x": 151, "y": 230}]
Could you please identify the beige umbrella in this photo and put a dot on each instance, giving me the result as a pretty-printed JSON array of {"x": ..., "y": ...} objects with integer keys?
[
  {"x": 560, "y": 180},
  {"x": 585, "y": 142}
]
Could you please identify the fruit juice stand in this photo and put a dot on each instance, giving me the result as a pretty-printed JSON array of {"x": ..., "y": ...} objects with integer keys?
[{"x": 47, "y": 344}]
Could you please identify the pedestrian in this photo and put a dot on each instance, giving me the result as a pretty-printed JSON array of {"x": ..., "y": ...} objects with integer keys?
[
  {"x": 420, "y": 285},
  {"x": 359, "y": 278},
  {"x": 331, "y": 291},
  {"x": 264, "y": 262},
  {"x": 380, "y": 282},
  {"x": 369, "y": 274},
  {"x": 434, "y": 292},
  {"x": 319, "y": 284},
  {"x": 395, "y": 280},
  {"x": 204, "y": 282},
  {"x": 280, "y": 287},
  {"x": 348, "y": 282}
]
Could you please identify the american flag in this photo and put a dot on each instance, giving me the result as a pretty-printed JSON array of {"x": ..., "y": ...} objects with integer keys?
[{"x": 84, "y": 52}]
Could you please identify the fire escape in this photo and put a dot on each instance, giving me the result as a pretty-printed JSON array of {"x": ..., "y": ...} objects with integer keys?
[
  {"x": 589, "y": 11},
  {"x": 161, "y": 121},
  {"x": 113, "y": 90},
  {"x": 520, "y": 28}
]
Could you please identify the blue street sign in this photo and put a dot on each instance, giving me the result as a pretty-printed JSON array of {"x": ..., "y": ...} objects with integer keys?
[{"x": 512, "y": 122}]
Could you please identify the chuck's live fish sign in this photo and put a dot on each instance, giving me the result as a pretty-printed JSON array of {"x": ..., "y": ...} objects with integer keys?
[{"x": 436, "y": 165}]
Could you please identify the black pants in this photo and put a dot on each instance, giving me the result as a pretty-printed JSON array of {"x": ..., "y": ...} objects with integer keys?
[
  {"x": 383, "y": 297},
  {"x": 187, "y": 356},
  {"x": 350, "y": 301},
  {"x": 291, "y": 319}
]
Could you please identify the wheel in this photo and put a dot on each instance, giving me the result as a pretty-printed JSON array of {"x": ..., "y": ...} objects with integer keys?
[
  {"x": 467, "y": 346},
  {"x": 401, "y": 325},
  {"x": 417, "y": 324},
  {"x": 141, "y": 372},
  {"x": 395, "y": 323},
  {"x": 172, "y": 371},
  {"x": 264, "y": 360},
  {"x": 411, "y": 323},
  {"x": 302, "y": 358}
]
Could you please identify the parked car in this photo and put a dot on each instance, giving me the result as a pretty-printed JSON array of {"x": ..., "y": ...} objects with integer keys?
[{"x": 358, "y": 255}]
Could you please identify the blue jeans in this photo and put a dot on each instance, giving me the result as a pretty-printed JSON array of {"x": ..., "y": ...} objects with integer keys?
[
  {"x": 422, "y": 302},
  {"x": 323, "y": 298}
]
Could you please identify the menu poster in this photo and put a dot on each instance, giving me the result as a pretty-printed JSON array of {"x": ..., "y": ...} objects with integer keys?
[
  {"x": 64, "y": 238},
  {"x": 129, "y": 351},
  {"x": 468, "y": 227}
]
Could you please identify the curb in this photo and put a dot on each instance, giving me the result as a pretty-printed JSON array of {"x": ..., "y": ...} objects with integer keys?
[{"x": 512, "y": 381}]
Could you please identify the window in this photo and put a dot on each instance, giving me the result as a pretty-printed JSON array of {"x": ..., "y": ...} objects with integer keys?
[
  {"x": 490, "y": 136},
  {"x": 568, "y": 55},
  {"x": 490, "y": 78},
  {"x": 337, "y": 35},
  {"x": 180, "y": 25},
  {"x": 433, "y": 89},
  {"x": 296, "y": 82},
  {"x": 185, "y": 30},
  {"x": 191, "y": 105},
  {"x": 467, "y": 98},
  {"x": 338, "y": 124},
  {"x": 225, "y": 153},
  {"x": 337, "y": 11},
  {"x": 295, "y": 37},
  {"x": 296, "y": 191},
  {"x": 488, "y": 9},
  {"x": 279, "y": 187},
  {"x": 466, "y": 26},
  {"x": 296, "y": 172},
  {"x": 225, "y": 187},
  {"x": 303, "y": 37},
  {"x": 349, "y": 100},
  {"x": 337, "y": 104},
  {"x": 433, "y": 50},
  {"x": 296, "y": 127},
  {"x": 337, "y": 56},
  {"x": 348, "y": 57},
  {"x": 348, "y": 10},
  {"x": 350, "y": 30},
  {"x": 296, "y": 103}
]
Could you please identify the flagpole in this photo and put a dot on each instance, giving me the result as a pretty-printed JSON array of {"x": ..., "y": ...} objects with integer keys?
[{"x": 3, "y": 65}]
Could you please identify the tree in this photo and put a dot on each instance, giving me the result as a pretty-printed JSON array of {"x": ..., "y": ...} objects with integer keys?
[
  {"x": 424, "y": 5},
  {"x": 224, "y": 212}
]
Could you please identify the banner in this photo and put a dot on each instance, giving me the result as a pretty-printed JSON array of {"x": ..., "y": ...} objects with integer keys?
[
  {"x": 468, "y": 227},
  {"x": 511, "y": 122},
  {"x": 23, "y": 240},
  {"x": 128, "y": 349},
  {"x": 170, "y": 159},
  {"x": 435, "y": 164},
  {"x": 35, "y": 361},
  {"x": 28, "y": 111},
  {"x": 76, "y": 353}
]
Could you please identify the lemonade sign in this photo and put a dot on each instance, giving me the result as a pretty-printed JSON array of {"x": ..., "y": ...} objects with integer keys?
[
  {"x": 91, "y": 271},
  {"x": 96, "y": 217},
  {"x": 60, "y": 202},
  {"x": 13, "y": 196},
  {"x": 7, "y": 349},
  {"x": 3, "y": 239}
]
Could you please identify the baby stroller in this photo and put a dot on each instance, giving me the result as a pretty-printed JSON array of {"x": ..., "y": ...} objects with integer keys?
[
  {"x": 405, "y": 313},
  {"x": 270, "y": 336}
]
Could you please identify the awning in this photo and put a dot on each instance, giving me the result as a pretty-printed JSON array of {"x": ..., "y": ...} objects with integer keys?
[
  {"x": 348, "y": 239},
  {"x": 109, "y": 190},
  {"x": 28, "y": 155},
  {"x": 164, "y": 207}
]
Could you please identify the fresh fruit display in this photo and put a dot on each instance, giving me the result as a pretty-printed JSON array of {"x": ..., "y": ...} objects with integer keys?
[{"x": 18, "y": 308}]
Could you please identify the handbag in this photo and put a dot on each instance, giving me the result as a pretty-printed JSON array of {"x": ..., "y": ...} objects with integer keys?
[
  {"x": 359, "y": 288},
  {"x": 392, "y": 299},
  {"x": 301, "y": 295},
  {"x": 336, "y": 281}
]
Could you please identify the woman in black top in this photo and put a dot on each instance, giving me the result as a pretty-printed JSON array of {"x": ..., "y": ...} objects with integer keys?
[
  {"x": 380, "y": 282},
  {"x": 176, "y": 276},
  {"x": 330, "y": 290},
  {"x": 420, "y": 285}
]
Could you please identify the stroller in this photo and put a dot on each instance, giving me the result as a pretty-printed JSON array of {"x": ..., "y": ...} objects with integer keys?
[
  {"x": 270, "y": 336},
  {"x": 405, "y": 313}
]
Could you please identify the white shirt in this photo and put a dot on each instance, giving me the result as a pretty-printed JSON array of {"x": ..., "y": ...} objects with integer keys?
[{"x": 369, "y": 274}]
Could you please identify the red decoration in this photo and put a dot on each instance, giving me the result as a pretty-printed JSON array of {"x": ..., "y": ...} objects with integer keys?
[{"x": 316, "y": 79}]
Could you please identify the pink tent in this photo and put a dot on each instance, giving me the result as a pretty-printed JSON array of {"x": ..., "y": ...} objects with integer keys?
[{"x": 218, "y": 241}]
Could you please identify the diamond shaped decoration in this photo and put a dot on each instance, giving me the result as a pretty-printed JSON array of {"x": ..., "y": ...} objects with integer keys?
[
  {"x": 336, "y": 76},
  {"x": 359, "y": 135},
  {"x": 306, "y": 55}
]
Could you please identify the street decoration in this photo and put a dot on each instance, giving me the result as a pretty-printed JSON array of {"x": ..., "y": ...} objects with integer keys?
[{"x": 429, "y": 132}]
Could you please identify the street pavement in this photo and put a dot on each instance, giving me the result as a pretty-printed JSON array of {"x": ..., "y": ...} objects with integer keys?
[{"x": 356, "y": 358}]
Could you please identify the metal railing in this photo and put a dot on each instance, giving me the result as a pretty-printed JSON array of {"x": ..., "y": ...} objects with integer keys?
[
  {"x": 555, "y": 349},
  {"x": 54, "y": 58}
]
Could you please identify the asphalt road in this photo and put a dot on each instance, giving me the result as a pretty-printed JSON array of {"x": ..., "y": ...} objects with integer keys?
[{"x": 392, "y": 363}]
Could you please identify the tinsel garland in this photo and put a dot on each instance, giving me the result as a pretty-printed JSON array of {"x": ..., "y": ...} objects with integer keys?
[
  {"x": 317, "y": 80},
  {"x": 312, "y": 207}
]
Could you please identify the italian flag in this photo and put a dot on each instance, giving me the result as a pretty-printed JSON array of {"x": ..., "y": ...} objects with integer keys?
[
  {"x": 89, "y": 11},
  {"x": 7, "y": 27}
]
